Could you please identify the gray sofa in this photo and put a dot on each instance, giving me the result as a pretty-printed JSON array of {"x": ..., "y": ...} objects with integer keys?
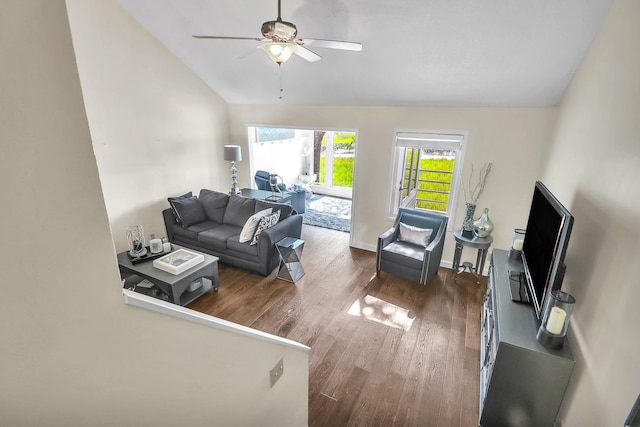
[{"x": 212, "y": 222}]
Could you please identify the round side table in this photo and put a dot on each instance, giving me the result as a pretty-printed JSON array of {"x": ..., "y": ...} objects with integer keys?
[{"x": 482, "y": 244}]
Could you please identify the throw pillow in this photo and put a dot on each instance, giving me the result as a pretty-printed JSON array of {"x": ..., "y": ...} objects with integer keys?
[
  {"x": 415, "y": 235},
  {"x": 239, "y": 209},
  {"x": 189, "y": 211},
  {"x": 171, "y": 199},
  {"x": 250, "y": 226},
  {"x": 266, "y": 221},
  {"x": 214, "y": 204},
  {"x": 285, "y": 209}
]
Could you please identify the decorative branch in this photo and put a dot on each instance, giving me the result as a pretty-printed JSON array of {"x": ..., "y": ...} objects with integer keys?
[{"x": 472, "y": 192}]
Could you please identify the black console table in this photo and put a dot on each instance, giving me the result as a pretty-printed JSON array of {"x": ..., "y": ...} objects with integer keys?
[{"x": 522, "y": 383}]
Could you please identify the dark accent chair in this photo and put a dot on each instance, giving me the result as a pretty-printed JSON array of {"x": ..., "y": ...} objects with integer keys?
[
  {"x": 263, "y": 182},
  {"x": 409, "y": 260}
]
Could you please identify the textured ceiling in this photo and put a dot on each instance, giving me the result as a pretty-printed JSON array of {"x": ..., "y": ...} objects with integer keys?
[{"x": 415, "y": 52}]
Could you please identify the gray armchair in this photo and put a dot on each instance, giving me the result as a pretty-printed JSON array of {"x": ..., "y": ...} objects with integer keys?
[
  {"x": 263, "y": 182},
  {"x": 409, "y": 258}
]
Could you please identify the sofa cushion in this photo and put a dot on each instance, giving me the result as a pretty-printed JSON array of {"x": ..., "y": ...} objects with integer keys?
[
  {"x": 233, "y": 244},
  {"x": 171, "y": 199},
  {"x": 285, "y": 210},
  {"x": 216, "y": 238},
  {"x": 403, "y": 253},
  {"x": 192, "y": 231},
  {"x": 249, "y": 228},
  {"x": 238, "y": 210},
  {"x": 266, "y": 222},
  {"x": 189, "y": 210},
  {"x": 214, "y": 204}
]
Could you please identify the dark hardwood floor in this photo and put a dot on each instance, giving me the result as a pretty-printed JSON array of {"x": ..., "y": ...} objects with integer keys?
[{"x": 384, "y": 351}]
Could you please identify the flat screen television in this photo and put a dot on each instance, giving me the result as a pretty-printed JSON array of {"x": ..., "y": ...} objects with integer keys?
[{"x": 545, "y": 245}]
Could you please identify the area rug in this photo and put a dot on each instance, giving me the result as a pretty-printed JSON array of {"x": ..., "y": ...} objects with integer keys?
[{"x": 328, "y": 212}]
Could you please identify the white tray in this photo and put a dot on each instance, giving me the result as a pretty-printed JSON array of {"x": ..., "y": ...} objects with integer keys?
[{"x": 178, "y": 261}]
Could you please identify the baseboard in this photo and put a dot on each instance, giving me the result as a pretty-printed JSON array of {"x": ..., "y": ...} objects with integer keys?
[{"x": 363, "y": 246}]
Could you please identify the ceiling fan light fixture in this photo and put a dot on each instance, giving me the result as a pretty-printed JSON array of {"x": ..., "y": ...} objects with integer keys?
[{"x": 279, "y": 52}]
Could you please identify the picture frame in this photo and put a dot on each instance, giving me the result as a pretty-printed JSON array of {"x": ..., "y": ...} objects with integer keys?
[{"x": 178, "y": 261}]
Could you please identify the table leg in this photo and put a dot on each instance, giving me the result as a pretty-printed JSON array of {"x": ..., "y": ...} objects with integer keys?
[
  {"x": 175, "y": 296},
  {"x": 482, "y": 256},
  {"x": 456, "y": 256}
]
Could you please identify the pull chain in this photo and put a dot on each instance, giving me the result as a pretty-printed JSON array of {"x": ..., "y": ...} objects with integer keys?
[{"x": 280, "y": 79}]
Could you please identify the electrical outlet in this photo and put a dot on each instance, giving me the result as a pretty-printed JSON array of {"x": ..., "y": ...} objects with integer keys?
[{"x": 276, "y": 372}]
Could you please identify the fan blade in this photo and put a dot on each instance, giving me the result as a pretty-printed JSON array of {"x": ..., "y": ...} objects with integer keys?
[
  {"x": 260, "y": 39},
  {"x": 331, "y": 44},
  {"x": 307, "y": 54}
]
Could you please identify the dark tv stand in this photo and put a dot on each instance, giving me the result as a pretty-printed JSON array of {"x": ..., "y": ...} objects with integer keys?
[{"x": 522, "y": 383}]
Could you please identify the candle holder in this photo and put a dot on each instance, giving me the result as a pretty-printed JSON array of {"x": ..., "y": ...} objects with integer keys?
[
  {"x": 555, "y": 319},
  {"x": 135, "y": 240},
  {"x": 515, "y": 251}
]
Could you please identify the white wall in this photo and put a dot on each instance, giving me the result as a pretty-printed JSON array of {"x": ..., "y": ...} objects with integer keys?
[
  {"x": 515, "y": 139},
  {"x": 594, "y": 168},
  {"x": 157, "y": 129},
  {"x": 73, "y": 354}
]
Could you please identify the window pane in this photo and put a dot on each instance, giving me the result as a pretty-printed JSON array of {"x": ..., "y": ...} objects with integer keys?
[
  {"x": 343, "y": 158},
  {"x": 436, "y": 174},
  {"x": 323, "y": 160},
  {"x": 427, "y": 170},
  {"x": 275, "y": 134}
]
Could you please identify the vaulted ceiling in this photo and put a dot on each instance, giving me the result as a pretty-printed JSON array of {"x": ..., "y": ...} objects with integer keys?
[{"x": 415, "y": 52}]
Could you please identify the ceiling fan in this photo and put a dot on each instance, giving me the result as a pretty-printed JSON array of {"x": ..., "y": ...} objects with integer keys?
[{"x": 281, "y": 41}]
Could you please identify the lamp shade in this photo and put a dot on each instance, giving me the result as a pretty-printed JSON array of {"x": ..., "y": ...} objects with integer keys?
[
  {"x": 232, "y": 153},
  {"x": 279, "y": 52}
]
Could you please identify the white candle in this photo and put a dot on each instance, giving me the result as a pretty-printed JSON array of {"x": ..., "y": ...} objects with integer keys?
[
  {"x": 517, "y": 244},
  {"x": 555, "y": 323}
]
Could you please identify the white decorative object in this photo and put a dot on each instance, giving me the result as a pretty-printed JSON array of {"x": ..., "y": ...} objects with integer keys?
[
  {"x": 155, "y": 245},
  {"x": 517, "y": 244},
  {"x": 179, "y": 261},
  {"x": 250, "y": 226},
  {"x": 415, "y": 235},
  {"x": 135, "y": 240},
  {"x": 556, "y": 320},
  {"x": 308, "y": 179},
  {"x": 195, "y": 285}
]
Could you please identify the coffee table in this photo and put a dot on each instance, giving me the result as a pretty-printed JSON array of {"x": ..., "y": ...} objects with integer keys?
[{"x": 175, "y": 285}]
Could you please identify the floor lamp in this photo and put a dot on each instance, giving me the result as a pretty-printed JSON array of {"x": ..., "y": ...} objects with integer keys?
[{"x": 233, "y": 154}]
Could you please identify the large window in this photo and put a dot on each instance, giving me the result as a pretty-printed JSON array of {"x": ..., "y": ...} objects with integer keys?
[
  {"x": 324, "y": 159},
  {"x": 427, "y": 169}
]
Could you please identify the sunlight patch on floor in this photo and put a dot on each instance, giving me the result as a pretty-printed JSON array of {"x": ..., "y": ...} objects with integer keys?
[{"x": 379, "y": 311}]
